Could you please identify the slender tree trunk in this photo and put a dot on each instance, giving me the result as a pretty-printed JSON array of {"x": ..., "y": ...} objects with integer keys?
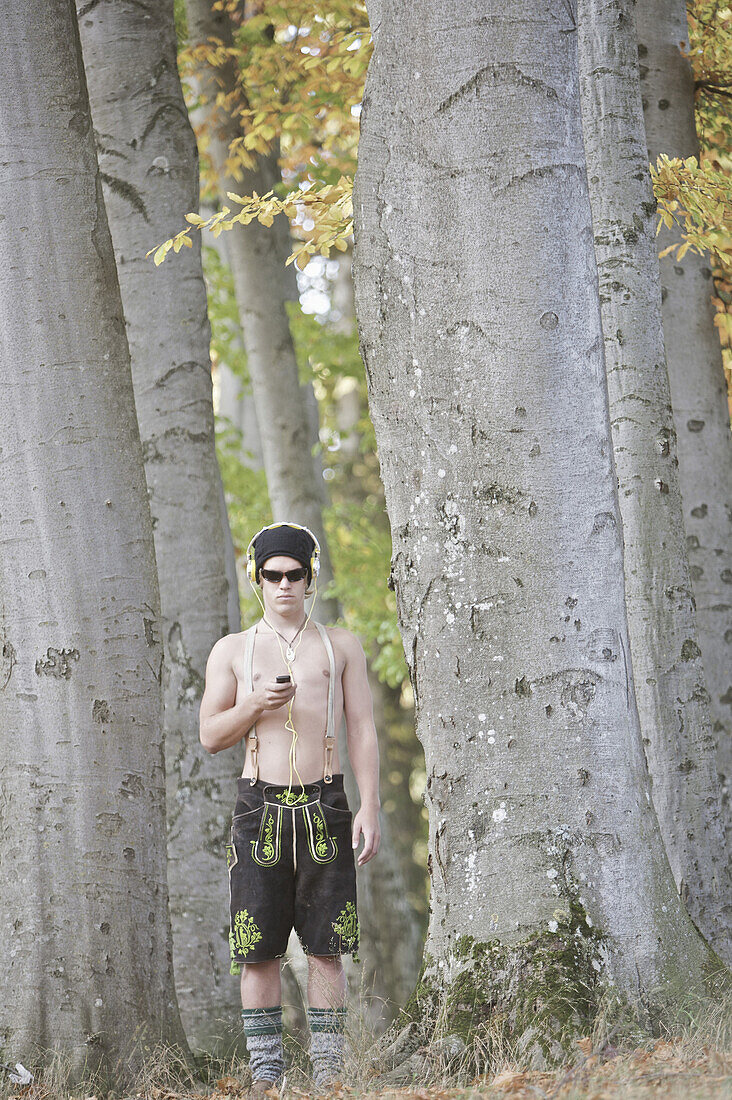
[
  {"x": 260, "y": 288},
  {"x": 673, "y": 702},
  {"x": 232, "y": 577},
  {"x": 478, "y": 305},
  {"x": 149, "y": 166},
  {"x": 694, "y": 359},
  {"x": 83, "y": 905},
  {"x": 346, "y": 391},
  {"x": 396, "y": 944},
  {"x": 235, "y": 402},
  {"x": 237, "y": 406}
]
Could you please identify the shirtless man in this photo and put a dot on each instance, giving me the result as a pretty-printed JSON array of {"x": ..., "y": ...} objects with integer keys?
[{"x": 291, "y": 856}]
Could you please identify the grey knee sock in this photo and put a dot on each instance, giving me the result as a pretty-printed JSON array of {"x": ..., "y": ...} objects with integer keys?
[
  {"x": 327, "y": 1043},
  {"x": 263, "y": 1030}
]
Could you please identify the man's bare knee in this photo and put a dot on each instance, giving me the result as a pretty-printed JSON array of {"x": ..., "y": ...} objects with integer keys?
[
  {"x": 325, "y": 962},
  {"x": 260, "y": 984},
  {"x": 266, "y": 967},
  {"x": 326, "y": 981}
]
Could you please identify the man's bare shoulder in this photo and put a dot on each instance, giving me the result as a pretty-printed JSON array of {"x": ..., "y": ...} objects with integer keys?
[
  {"x": 226, "y": 648},
  {"x": 345, "y": 642}
]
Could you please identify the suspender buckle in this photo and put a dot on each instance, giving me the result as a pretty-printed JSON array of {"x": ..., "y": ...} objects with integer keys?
[
  {"x": 253, "y": 742},
  {"x": 328, "y": 770}
]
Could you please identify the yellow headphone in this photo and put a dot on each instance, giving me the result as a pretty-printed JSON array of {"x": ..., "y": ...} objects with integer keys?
[{"x": 314, "y": 560}]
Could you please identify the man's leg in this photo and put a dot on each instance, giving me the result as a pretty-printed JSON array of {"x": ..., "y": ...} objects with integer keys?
[
  {"x": 326, "y": 1017},
  {"x": 261, "y": 1000}
]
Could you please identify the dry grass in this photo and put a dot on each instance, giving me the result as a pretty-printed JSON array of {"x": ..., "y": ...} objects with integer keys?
[{"x": 694, "y": 1062}]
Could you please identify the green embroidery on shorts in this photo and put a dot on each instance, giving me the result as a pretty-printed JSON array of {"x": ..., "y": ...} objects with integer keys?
[
  {"x": 231, "y": 859},
  {"x": 321, "y": 846},
  {"x": 319, "y": 842},
  {"x": 242, "y": 938},
  {"x": 266, "y": 848},
  {"x": 289, "y": 798},
  {"x": 347, "y": 928}
]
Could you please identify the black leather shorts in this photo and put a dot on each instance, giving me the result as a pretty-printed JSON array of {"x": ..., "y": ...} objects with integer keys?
[{"x": 291, "y": 865}]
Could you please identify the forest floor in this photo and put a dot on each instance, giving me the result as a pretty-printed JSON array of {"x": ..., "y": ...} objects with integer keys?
[
  {"x": 693, "y": 1065},
  {"x": 676, "y": 1069},
  {"x": 663, "y": 1070}
]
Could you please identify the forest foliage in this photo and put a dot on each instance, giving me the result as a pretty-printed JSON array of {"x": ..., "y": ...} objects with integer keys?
[
  {"x": 694, "y": 193},
  {"x": 303, "y": 65}
]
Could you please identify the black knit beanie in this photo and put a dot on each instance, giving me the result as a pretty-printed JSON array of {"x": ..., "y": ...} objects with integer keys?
[{"x": 286, "y": 540}]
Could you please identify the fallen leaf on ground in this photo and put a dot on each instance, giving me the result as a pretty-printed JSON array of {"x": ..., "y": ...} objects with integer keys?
[
  {"x": 228, "y": 1084},
  {"x": 509, "y": 1080}
]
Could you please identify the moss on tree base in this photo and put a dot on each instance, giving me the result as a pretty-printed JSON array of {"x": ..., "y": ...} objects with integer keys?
[{"x": 536, "y": 997}]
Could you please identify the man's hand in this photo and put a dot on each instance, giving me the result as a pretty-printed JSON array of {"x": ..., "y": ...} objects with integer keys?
[
  {"x": 272, "y": 695},
  {"x": 366, "y": 824}
]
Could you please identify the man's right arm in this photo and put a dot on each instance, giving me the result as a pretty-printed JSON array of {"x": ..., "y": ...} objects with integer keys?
[{"x": 223, "y": 721}]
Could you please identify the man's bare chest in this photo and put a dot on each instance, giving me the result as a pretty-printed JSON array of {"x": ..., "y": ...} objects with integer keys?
[{"x": 310, "y": 667}]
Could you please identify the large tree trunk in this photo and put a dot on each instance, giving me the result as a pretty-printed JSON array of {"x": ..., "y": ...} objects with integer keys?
[
  {"x": 478, "y": 306},
  {"x": 83, "y": 905},
  {"x": 149, "y": 165},
  {"x": 673, "y": 702},
  {"x": 694, "y": 359}
]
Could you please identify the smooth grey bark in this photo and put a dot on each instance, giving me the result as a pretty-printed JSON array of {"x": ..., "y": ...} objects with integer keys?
[
  {"x": 345, "y": 392},
  {"x": 232, "y": 577},
  {"x": 261, "y": 292},
  {"x": 673, "y": 702},
  {"x": 237, "y": 406},
  {"x": 149, "y": 167},
  {"x": 696, "y": 376},
  {"x": 235, "y": 402},
  {"x": 478, "y": 307},
  {"x": 87, "y": 966}
]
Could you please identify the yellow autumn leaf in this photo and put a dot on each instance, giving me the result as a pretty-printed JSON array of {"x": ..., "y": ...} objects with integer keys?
[{"x": 161, "y": 253}]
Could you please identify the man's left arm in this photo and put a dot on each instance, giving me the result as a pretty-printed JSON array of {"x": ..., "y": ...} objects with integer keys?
[{"x": 363, "y": 746}]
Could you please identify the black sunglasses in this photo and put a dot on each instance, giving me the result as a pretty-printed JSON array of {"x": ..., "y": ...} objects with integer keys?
[{"x": 275, "y": 575}]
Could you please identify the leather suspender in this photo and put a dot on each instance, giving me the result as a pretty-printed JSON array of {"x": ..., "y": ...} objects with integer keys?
[
  {"x": 249, "y": 687},
  {"x": 329, "y": 736}
]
